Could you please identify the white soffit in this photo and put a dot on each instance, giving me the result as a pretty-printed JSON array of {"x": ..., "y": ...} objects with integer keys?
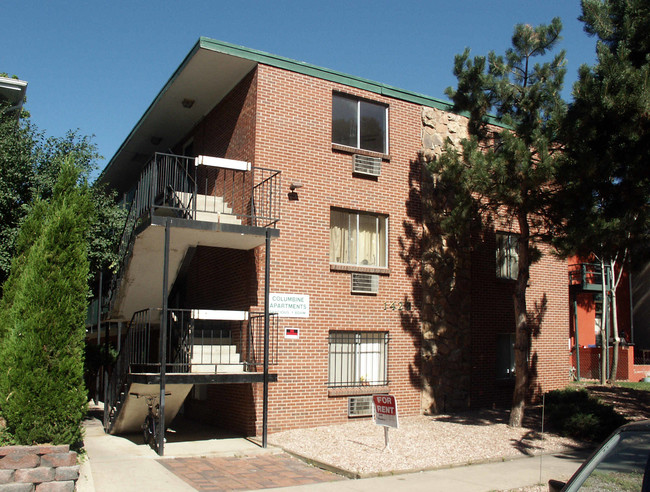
[{"x": 204, "y": 80}]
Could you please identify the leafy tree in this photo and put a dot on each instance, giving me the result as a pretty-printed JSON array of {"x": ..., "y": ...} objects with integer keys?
[
  {"x": 42, "y": 394},
  {"x": 17, "y": 141},
  {"x": 29, "y": 170},
  {"x": 505, "y": 173},
  {"x": 605, "y": 178}
]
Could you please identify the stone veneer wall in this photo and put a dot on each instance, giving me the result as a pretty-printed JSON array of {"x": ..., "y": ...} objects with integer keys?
[
  {"x": 439, "y": 127},
  {"x": 38, "y": 468},
  {"x": 446, "y": 282}
]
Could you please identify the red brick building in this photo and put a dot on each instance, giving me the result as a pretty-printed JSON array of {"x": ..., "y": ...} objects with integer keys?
[
  {"x": 586, "y": 311},
  {"x": 305, "y": 192}
]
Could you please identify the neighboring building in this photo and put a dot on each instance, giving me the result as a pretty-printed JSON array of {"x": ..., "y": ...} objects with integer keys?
[
  {"x": 586, "y": 305},
  {"x": 12, "y": 93},
  {"x": 641, "y": 311},
  {"x": 348, "y": 314}
]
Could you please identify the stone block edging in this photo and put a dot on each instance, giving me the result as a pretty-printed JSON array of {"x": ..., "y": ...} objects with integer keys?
[{"x": 41, "y": 468}]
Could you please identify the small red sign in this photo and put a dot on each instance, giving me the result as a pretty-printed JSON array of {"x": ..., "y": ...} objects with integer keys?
[{"x": 292, "y": 333}]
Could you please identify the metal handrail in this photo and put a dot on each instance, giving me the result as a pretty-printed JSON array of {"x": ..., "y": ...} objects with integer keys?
[
  {"x": 587, "y": 274},
  {"x": 184, "y": 336},
  {"x": 167, "y": 187}
]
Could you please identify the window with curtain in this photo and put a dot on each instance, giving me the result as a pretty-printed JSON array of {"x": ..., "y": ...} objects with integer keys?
[
  {"x": 358, "y": 238},
  {"x": 507, "y": 255},
  {"x": 359, "y": 123},
  {"x": 357, "y": 359}
]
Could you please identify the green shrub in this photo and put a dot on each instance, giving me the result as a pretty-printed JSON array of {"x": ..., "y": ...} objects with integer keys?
[
  {"x": 42, "y": 394},
  {"x": 575, "y": 413}
]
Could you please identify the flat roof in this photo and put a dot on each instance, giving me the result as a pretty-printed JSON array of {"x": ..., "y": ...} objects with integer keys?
[{"x": 207, "y": 74}]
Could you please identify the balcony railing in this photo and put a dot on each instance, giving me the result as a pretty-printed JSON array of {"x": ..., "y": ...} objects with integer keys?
[
  {"x": 193, "y": 347},
  {"x": 587, "y": 276},
  {"x": 172, "y": 185}
]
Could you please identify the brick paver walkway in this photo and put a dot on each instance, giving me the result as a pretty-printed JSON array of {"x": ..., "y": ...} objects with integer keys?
[{"x": 246, "y": 473}]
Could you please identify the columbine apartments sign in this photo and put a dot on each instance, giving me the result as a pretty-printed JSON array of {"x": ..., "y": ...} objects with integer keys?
[{"x": 289, "y": 305}]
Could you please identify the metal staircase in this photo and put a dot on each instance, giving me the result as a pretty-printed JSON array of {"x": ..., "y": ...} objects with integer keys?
[
  {"x": 179, "y": 203},
  {"x": 217, "y": 207}
]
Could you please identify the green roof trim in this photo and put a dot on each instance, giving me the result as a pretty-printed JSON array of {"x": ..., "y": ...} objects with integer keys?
[
  {"x": 293, "y": 66},
  {"x": 322, "y": 73}
]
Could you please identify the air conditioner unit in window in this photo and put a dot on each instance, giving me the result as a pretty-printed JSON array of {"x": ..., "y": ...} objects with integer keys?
[
  {"x": 365, "y": 283},
  {"x": 360, "y": 406},
  {"x": 363, "y": 164}
]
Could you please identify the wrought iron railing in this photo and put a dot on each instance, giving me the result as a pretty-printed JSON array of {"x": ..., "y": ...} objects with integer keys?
[
  {"x": 172, "y": 185},
  {"x": 193, "y": 346}
]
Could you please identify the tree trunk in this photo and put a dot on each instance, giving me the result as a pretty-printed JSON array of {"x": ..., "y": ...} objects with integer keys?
[
  {"x": 614, "y": 317},
  {"x": 521, "y": 328}
]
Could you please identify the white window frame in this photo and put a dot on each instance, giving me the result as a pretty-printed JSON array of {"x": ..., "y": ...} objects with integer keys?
[
  {"x": 358, "y": 101},
  {"x": 507, "y": 255},
  {"x": 357, "y": 358},
  {"x": 353, "y": 243}
]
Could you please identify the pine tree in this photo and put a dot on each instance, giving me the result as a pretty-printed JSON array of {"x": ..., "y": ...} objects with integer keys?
[
  {"x": 42, "y": 395},
  {"x": 605, "y": 178},
  {"x": 607, "y": 134},
  {"x": 506, "y": 172}
]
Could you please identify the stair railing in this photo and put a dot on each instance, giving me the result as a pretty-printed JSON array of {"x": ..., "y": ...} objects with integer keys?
[
  {"x": 135, "y": 349},
  {"x": 164, "y": 180},
  {"x": 140, "y": 349}
]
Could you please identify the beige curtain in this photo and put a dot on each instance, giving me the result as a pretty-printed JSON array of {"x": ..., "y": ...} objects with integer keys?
[
  {"x": 339, "y": 237},
  {"x": 357, "y": 239},
  {"x": 367, "y": 240}
]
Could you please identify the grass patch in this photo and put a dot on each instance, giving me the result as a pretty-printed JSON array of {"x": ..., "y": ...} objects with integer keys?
[{"x": 641, "y": 386}]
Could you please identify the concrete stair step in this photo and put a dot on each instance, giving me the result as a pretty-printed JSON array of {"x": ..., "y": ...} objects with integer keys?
[
  {"x": 217, "y": 368},
  {"x": 209, "y": 208},
  {"x": 215, "y": 354}
]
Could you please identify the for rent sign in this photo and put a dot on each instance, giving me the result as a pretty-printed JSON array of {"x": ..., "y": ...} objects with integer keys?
[{"x": 385, "y": 410}]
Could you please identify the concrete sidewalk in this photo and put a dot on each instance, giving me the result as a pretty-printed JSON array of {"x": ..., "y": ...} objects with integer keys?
[
  {"x": 504, "y": 475},
  {"x": 120, "y": 463}
]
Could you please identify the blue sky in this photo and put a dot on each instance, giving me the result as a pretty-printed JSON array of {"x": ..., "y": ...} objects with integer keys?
[{"x": 97, "y": 65}]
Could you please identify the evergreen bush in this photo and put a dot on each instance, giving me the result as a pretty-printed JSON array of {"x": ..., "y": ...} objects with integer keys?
[
  {"x": 577, "y": 414},
  {"x": 42, "y": 395}
]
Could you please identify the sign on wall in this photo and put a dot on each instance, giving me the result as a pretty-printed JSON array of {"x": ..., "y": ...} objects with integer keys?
[
  {"x": 289, "y": 305},
  {"x": 292, "y": 333}
]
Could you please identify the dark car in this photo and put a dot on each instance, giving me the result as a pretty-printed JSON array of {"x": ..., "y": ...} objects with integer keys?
[{"x": 621, "y": 463}]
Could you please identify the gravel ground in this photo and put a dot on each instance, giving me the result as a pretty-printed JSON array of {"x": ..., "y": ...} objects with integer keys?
[{"x": 421, "y": 442}]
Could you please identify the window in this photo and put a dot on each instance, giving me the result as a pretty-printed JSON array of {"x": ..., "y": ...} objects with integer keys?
[
  {"x": 358, "y": 238},
  {"x": 357, "y": 358},
  {"x": 360, "y": 124},
  {"x": 507, "y": 256},
  {"x": 506, "y": 356}
]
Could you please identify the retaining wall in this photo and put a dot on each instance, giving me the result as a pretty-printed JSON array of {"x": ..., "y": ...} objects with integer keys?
[{"x": 43, "y": 468}]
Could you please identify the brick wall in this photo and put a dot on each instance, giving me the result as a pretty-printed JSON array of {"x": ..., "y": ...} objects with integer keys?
[
  {"x": 493, "y": 314},
  {"x": 282, "y": 120},
  {"x": 40, "y": 468},
  {"x": 294, "y": 135}
]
